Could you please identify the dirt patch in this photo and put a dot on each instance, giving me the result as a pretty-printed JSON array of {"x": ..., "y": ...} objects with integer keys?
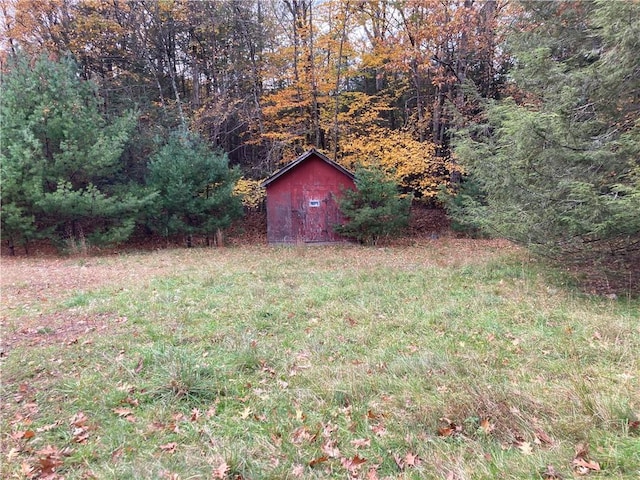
[
  {"x": 31, "y": 290},
  {"x": 59, "y": 329}
]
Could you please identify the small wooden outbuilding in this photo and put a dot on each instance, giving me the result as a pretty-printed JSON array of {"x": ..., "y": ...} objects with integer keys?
[{"x": 302, "y": 200}]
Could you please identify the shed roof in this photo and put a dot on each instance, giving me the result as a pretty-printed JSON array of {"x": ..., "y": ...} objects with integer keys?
[{"x": 301, "y": 159}]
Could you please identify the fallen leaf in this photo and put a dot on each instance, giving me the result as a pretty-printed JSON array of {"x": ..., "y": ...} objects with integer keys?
[
  {"x": 583, "y": 466},
  {"x": 134, "y": 402},
  {"x": 486, "y": 426},
  {"x": 582, "y": 450},
  {"x": 139, "y": 366},
  {"x": 49, "y": 464},
  {"x": 79, "y": 419},
  {"x": 27, "y": 470},
  {"x": 411, "y": 460},
  {"x": 352, "y": 464},
  {"x": 46, "y": 428},
  {"x": 525, "y": 448},
  {"x": 372, "y": 474},
  {"x": 169, "y": 447},
  {"x": 122, "y": 412},
  {"x": 221, "y": 470},
  {"x": 116, "y": 454},
  {"x": 298, "y": 470},
  {"x": 551, "y": 474},
  {"x": 542, "y": 437},
  {"x": 13, "y": 454},
  {"x": 330, "y": 449},
  {"x": 449, "y": 430},
  {"x": 195, "y": 414},
  {"x": 318, "y": 460},
  {"x": 379, "y": 429},
  {"x": 80, "y": 435},
  {"x": 23, "y": 435},
  {"x": 371, "y": 415},
  {"x": 301, "y": 435},
  {"x": 361, "y": 442}
]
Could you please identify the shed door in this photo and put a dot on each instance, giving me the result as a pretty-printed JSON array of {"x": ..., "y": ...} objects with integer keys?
[{"x": 315, "y": 216}]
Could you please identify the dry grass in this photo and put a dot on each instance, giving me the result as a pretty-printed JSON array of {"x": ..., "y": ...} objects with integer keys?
[{"x": 457, "y": 359}]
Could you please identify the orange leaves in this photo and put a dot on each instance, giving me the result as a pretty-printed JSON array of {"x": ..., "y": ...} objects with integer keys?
[{"x": 450, "y": 429}]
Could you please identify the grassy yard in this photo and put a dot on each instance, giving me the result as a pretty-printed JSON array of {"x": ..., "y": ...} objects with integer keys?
[{"x": 454, "y": 359}]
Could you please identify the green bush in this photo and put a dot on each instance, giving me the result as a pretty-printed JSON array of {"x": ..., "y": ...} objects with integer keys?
[{"x": 375, "y": 209}]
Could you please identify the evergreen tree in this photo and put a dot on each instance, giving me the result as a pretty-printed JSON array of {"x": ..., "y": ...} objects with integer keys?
[
  {"x": 59, "y": 158},
  {"x": 195, "y": 187},
  {"x": 375, "y": 209},
  {"x": 559, "y": 163}
]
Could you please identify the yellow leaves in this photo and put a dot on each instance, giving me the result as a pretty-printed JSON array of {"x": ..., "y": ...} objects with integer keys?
[
  {"x": 250, "y": 191},
  {"x": 413, "y": 164}
]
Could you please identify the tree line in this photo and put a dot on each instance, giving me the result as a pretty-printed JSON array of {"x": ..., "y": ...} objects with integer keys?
[{"x": 521, "y": 117}]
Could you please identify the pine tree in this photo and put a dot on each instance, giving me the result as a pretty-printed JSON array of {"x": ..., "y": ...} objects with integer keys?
[
  {"x": 558, "y": 162},
  {"x": 60, "y": 156},
  {"x": 195, "y": 188},
  {"x": 375, "y": 209}
]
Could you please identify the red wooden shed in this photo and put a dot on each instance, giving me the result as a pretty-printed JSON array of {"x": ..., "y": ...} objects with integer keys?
[{"x": 302, "y": 200}]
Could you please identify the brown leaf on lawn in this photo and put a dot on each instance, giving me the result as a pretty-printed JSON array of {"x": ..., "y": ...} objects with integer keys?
[
  {"x": 79, "y": 420},
  {"x": 51, "y": 426},
  {"x": 542, "y": 437},
  {"x": 550, "y": 474},
  {"x": 486, "y": 426},
  {"x": 371, "y": 415},
  {"x": 525, "y": 448},
  {"x": 297, "y": 471},
  {"x": 23, "y": 435},
  {"x": 139, "y": 366},
  {"x": 449, "y": 430},
  {"x": 352, "y": 464},
  {"x": 328, "y": 429},
  {"x": 379, "y": 429},
  {"x": 116, "y": 454},
  {"x": 301, "y": 435},
  {"x": 122, "y": 412},
  {"x": 134, "y": 402},
  {"x": 80, "y": 435},
  {"x": 583, "y": 467},
  {"x": 221, "y": 470},
  {"x": 582, "y": 450},
  {"x": 27, "y": 470},
  {"x": 411, "y": 460},
  {"x": 372, "y": 473},
  {"x": 361, "y": 442},
  {"x": 195, "y": 414},
  {"x": 50, "y": 460},
  {"x": 318, "y": 460},
  {"x": 330, "y": 449},
  {"x": 169, "y": 447}
]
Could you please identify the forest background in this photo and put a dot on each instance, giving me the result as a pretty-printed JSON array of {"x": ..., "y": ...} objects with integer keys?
[{"x": 430, "y": 91}]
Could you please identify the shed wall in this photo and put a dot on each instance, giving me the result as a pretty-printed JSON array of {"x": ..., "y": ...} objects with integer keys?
[{"x": 302, "y": 206}]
